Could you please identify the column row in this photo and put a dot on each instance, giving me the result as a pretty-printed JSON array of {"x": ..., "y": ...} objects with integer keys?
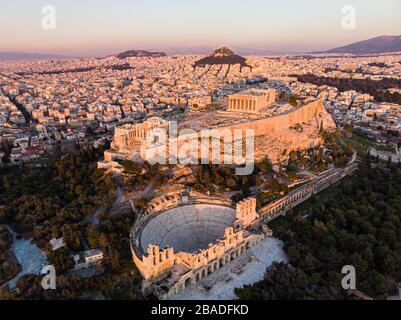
[{"x": 242, "y": 104}]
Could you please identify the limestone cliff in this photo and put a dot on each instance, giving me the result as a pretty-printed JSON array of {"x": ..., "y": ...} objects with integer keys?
[{"x": 299, "y": 129}]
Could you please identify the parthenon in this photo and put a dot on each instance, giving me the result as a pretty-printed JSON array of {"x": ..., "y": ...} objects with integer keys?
[{"x": 251, "y": 101}]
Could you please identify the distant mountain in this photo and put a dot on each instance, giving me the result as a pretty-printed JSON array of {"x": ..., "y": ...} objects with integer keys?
[
  {"x": 257, "y": 52},
  {"x": 188, "y": 50},
  {"x": 222, "y": 52},
  {"x": 140, "y": 53},
  {"x": 30, "y": 56},
  {"x": 205, "y": 50},
  {"x": 383, "y": 44}
]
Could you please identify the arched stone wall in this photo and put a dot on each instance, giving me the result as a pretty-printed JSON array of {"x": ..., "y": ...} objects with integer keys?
[{"x": 297, "y": 196}]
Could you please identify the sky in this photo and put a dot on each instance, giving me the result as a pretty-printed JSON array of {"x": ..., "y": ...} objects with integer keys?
[{"x": 101, "y": 27}]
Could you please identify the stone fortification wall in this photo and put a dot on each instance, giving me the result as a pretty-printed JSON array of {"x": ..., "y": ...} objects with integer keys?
[{"x": 312, "y": 113}]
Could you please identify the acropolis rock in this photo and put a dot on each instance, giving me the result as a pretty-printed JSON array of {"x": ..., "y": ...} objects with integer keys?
[{"x": 278, "y": 129}]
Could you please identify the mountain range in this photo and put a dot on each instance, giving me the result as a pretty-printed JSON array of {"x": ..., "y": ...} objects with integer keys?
[
  {"x": 382, "y": 44},
  {"x": 31, "y": 56},
  {"x": 207, "y": 49},
  {"x": 140, "y": 53}
]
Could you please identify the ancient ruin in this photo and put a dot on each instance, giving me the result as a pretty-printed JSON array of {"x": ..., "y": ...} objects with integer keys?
[
  {"x": 186, "y": 243},
  {"x": 278, "y": 128},
  {"x": 252, "y": 101},
  {"x": 182, "y": 238},
  {"x": 181, "y": 245}
]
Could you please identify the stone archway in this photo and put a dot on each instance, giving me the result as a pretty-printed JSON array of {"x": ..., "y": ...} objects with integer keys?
[
  {"x": 188, "y": 282},
  {"x": 175, "y": 290},
  {"x": 227, "y": 258},
  {"x": 210, "y": 270}
]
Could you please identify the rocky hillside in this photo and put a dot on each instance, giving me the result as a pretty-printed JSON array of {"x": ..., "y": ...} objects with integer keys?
[{"x": 383, "y": 44}]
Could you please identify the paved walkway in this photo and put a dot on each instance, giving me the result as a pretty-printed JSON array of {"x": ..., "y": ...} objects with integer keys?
[
  {"x": 248, "y": 268},
  {"x": 29, "y": 256}
]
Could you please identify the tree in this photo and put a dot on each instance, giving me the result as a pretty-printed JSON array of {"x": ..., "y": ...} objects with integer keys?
[
  {"x": 356, "y": 222},
  {"x": 349, "y": 150},
  {"x": 6, "y": 147},
  {"x": 293, "y": 101},
  {"x": 231, "y": 183},
  {"x": 245, "y": 186},
  {"x": 141, "y": 203},
  {"x": 349, "y": 128}
]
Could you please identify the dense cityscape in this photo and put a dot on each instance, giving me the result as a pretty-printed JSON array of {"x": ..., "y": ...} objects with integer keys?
[{"x": 83, "y": 100}]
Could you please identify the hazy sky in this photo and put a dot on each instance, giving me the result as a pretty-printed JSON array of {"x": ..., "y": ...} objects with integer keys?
[{"x": 99, "y": 27}]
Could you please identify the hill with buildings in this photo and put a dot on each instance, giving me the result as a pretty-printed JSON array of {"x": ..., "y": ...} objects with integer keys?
[
  {"x": 140, "y": 53},
  {"x": 222, "y": 56}
]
